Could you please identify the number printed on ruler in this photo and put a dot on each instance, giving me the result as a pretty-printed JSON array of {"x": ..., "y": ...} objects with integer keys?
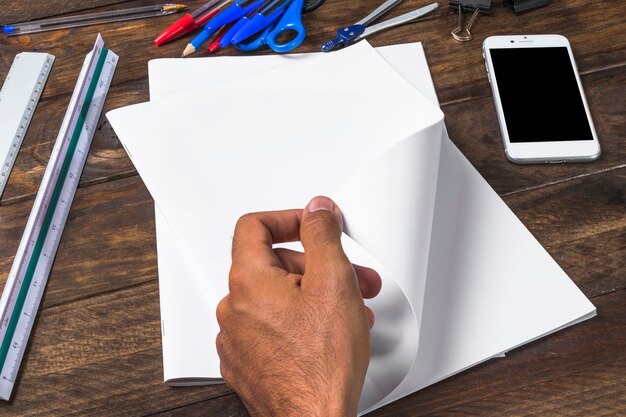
[
  {"x": 30, "y": 270},
  {"x": 19, "y": 96}
]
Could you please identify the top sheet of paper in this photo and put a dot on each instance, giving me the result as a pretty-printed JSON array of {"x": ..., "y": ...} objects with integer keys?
[
  {"x": 274, "y": 140},
  {"x": 352, "y": 117}
]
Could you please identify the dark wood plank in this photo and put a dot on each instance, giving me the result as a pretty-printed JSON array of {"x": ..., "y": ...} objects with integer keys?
[
  {"x": 464, "y": 77},
  {"x": 107, "y": 159},
  {"x": 132, "y": 40},
  {"x": 18, "y": 11},
  {"x": 595, "y": 392},
  {"x": 458, "y": 68},
  {"x": 85, "y": 266},
  {"x": 100, "y": 356},
  {"x": 582, "y": 224},
  {"x": 481, "y": 143},
  {"x": 596, "y": 263},
  {"x": 108, "y": 243},
  {"x": 593, "y": 347},
  {"x": 473, "y": 127},
  {"x": 574, "y": 210},
  {"x": 106, "y": 362},
  {"x": 227, "y": 405},
  {"x": 96, "y": 344}
]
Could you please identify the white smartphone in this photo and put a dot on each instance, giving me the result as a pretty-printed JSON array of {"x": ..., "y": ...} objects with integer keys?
[{"x": 540, "y": 102}]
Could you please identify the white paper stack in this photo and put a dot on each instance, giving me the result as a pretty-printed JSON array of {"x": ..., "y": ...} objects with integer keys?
[{"x": 463, "y": 279}]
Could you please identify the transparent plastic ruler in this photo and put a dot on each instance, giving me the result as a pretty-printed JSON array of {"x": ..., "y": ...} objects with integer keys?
[
  {"x": 19, "y": 96},
  {"x": 35, "y": 255}
]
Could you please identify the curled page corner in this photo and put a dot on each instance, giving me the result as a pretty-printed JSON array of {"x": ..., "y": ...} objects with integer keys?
[
  {"x": 394, "y": 337},
  {"x": 395, "y": 191}
]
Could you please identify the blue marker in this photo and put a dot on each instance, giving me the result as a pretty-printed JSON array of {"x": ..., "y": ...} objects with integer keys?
[{"x": 234, "y": 12}]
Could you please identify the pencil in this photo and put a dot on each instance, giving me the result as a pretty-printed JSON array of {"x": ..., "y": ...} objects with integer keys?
[{"x": 56, "y": 23}]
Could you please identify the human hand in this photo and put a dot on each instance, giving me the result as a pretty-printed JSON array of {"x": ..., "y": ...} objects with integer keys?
[{"x": 294, "y": 333}]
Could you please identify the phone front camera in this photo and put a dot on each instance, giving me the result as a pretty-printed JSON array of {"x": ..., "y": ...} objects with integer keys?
[{"x": 512, "y": 41}]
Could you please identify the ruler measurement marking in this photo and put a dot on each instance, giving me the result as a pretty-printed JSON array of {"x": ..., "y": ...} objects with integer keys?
[
  {"x": 19, "y": 304},
  {"x": 18, "y": 81},
  {"x": 25, "y": 286}
]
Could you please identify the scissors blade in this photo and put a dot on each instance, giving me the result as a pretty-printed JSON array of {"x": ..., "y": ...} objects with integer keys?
[
  {"x": 380, "y": 10},
  {"x": 397, "y": 21},
  {"x": 348, "y": 34}
]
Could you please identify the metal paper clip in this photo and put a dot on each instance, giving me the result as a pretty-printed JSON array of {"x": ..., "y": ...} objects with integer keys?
[{"x": 469, "y": 5}]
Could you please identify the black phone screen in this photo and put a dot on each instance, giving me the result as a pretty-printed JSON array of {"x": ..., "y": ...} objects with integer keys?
[{"x": 539, "y": 95}]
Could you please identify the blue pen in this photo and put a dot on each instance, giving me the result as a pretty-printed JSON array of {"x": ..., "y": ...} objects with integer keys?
[
  {"x": 261, "y": 20},
  {"x": 234, "y": 29},
  {"x": 234, "y": 12}
]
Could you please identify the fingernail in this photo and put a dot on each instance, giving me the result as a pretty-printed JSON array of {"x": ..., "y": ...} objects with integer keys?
[{"x": 320, "y": 203}]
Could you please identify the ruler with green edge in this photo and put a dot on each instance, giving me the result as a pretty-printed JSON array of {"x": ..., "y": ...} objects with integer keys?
[{"x": 31, "y": 267}]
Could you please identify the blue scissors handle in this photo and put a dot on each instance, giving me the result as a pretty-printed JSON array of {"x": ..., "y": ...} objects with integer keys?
[
  {"x": 290, "y": 22},
  {"x": 255, "y": 44}
]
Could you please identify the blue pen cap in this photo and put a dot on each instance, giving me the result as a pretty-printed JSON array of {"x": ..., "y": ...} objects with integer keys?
[{"x": 8, "y": 29}]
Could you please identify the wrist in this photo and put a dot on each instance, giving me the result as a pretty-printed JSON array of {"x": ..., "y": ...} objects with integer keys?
[
  {"x": 325, "y": 410},
  {"x": 340, "y": 409},
  {"x": 318, "y": 405},
  {"x": 337, "y": 404}
]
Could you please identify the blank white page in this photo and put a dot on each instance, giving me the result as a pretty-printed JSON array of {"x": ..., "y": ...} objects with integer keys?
[
  {"x": 478, "y": 301},
  {"x": 265, "y": 148}
]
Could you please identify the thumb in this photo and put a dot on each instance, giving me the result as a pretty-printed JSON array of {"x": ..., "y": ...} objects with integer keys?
[{"x": 320, "y": 233}]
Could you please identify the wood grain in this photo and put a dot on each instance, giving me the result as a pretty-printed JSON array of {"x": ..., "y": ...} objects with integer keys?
[
  {"x": 100, "y": 356},
  {"x": 582, "y": 224},
  {"x": 107, "y": 159},
  {"x": 96, "y": 285},
  {"x": 79, "y": 370},
  {"x": 108, "y": 242},
  {"x": 96, "y": 348},
  {"x": 481, "y": 144},
  {"x": 595, "y": 346},
  {"x": 228, "y": 405},
  {"x": 594, "y": 392},
  {"x": 458, "y": 68},
  {"x": 13, "y": 12},
  {"x": 473, "y": 127}
]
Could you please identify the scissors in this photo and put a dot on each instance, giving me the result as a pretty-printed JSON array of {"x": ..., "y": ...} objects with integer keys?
[
  {"x": 272, "y": 20},
  {"x": 354, "y": 33}
]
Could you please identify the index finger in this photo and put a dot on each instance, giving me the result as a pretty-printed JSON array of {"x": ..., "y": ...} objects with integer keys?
[{"x": 255, "y": 233}]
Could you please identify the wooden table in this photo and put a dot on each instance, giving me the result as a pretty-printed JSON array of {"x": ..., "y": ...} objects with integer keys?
[{"x": 96, "y": 346}]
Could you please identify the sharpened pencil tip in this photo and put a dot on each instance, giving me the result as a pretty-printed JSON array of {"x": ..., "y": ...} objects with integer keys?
[{"x": 189, "y": 49}]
